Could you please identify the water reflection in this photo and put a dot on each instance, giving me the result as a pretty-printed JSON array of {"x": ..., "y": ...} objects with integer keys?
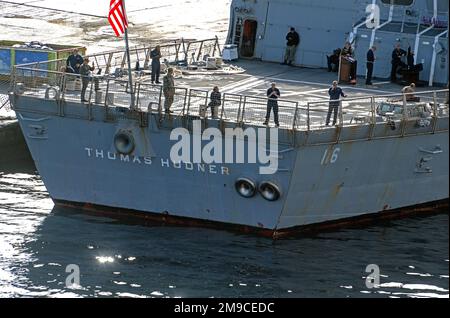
[
  {"x": 24, "y": 204},
  {"x": 38, "y": 242}
]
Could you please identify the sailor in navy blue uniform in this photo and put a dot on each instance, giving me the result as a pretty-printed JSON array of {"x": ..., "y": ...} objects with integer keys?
[
  {"x": 370, "y": 64},
  {"x": 273, "y": 93},
  {"x": 397, "y": 62},
  {"x": 335, "y": 93},
  {"x": 156, "y": 64},
  {"x": 74, "y": 62}
]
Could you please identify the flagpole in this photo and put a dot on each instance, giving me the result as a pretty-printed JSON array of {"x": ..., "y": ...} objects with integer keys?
[{"x": 127, "y": 47}]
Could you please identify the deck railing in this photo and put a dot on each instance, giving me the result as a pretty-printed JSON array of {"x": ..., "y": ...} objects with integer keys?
[
  {"x": 369, "y": 109},
  {"x": 113, "y": 62},
  {"x": 112, "y": 90}
]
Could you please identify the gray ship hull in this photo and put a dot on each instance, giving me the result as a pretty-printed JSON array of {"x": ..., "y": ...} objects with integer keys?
[
  {"x": 386, "y": 153},
  {"x": 127, "y": 216},
  {"x": 78, "y": 164}
]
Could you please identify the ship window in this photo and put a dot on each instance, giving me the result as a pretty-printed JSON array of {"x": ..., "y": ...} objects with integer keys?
[{"x": 398, "y": 2}]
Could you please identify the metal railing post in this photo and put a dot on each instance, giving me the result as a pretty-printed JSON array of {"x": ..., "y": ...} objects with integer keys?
[
  {"x": 222, "y": 109},
  {"x": 108, "y": 63},
  {"x": 13, "y": 82},
  {"x": 147, "y": 53},
  {"x": 177, "y": 52},
  {"x": 200, "y": 51},
  {"x": 60, "y": 104},
  {"x": 294, "y": 123},
  {"x": 206, "y": 105},
  {"x": 185, "y": 98},
  {"x": 186, "y": 111},
  {"x": 90, "y": 102},
  {"x": 373, "y": 118},
  {"x": 91, "y": 82},
  {"x": 136, "y": 105},
  {"x": 243, "y": 110},
  {"x": 63, "y": 86},
  {"x": 137, "y": 89},
  {"x": 340, "y": 126},
  {"x": 124, "y": 61},
  {"x": 404, "y": 116},
  {"x": 241, "y": 106},
  {"x": 160, "y": 100},
  {"x": 308, "y": 118},
  {"x": 106, "y": 100},
  {"x": 435, "y": 112}
]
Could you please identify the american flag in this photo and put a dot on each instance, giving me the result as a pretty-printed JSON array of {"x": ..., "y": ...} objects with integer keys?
[{"x": 117, "y": 17}]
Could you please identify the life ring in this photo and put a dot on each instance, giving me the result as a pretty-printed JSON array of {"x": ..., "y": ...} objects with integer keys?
[
  {"x": 55, "y": 90},
  {"x": 270, "y": 191},
  {"x": 19, "y": 89},
  {"x": 392, "y": 125},
  {"x": 124, "y": 142},
  {"x": 245, "y": 187}
]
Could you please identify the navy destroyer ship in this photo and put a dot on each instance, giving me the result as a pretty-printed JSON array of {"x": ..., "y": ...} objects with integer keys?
[{"x": 386, "y": 155}]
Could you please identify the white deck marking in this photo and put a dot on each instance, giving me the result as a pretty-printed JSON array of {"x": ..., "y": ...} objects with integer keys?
[
  {"x": 318, "y": 96},
  {"x": 381, "y": 83},
  {"x": 243, "y": 88},
  {"x": 313, "y": 91},
  {"x": 234, "y": 85},
  {"x": 329, "y": 85},
  {"x": 253, "y": 81}
]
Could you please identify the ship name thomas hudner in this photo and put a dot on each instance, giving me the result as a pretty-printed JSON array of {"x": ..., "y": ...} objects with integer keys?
[{"x": 165, "y": 162}]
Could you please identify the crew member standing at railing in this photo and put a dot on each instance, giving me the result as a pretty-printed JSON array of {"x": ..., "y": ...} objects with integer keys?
[
  {"x": 85, "y": 72},
  {"x": 74, "y": 62},
  {"x": 273, "y": 93},
  {"x": 168, "y": 90},
  {"x": 156, "y": 64},
  {"x": 215, "y": 102},
  {"x": 335, "y": 93}
]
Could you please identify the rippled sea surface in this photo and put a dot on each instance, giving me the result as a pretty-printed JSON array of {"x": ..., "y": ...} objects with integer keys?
[{"x": 38, "y": 241}]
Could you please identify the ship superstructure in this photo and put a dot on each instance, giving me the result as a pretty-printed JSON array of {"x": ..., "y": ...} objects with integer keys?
[{"x": 258, "y": 28}]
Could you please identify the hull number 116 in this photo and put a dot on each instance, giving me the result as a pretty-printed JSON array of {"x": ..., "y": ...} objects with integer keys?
[{"x": 330, "y": 156}]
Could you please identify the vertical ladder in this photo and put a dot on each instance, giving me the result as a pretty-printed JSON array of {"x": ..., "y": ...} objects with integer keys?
[{"x": 238, "y": 32}]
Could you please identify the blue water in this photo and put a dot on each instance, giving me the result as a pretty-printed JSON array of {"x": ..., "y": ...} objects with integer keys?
[{"x": 38, "y": 242}]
